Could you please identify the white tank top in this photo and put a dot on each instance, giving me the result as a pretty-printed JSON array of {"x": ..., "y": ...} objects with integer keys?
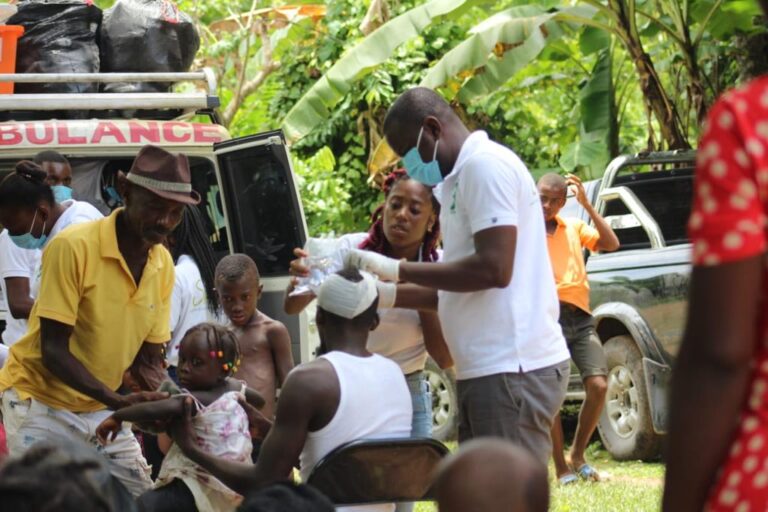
[{"x": 374, "y": 403}]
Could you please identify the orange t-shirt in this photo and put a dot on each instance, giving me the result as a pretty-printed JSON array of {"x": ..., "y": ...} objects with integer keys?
[{"x": 566, "y": 246}]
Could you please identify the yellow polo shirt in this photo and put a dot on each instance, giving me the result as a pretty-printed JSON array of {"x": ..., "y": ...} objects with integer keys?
[
  {"x": 86, "y": 283},
  {"x": 566, "y": 246}
]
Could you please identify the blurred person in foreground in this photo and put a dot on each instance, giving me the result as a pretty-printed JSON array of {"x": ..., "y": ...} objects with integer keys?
[
  {"x": 491, "y": 475},
  {"x": 718, "y": 443}
]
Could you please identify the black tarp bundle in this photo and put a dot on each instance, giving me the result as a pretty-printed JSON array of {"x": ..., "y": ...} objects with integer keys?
[
  {"x": 60, "y": 36},
  {"x": 148, "y": 36}
]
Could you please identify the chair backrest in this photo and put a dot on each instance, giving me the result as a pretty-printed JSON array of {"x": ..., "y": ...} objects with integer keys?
[{"x": 378, "y": 471}]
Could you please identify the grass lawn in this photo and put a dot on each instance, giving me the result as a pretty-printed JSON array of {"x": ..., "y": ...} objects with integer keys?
[{"x": 630, "y": 487}]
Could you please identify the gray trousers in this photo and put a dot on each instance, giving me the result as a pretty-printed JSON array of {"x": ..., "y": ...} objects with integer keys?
[{"x": 514, "y": 406}]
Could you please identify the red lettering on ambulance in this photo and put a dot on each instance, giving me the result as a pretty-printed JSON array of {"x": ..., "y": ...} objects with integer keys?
[
  {"x": 141, "y": 133},
  {"x": 171, "y": 136},
  {"x": 10, "y": 135},
  {"x": 32, "y": 130},
  {"x": 207, "y": 133},
  {"x": 65, "y": 138},
  {"x": 107, "y": 129}
]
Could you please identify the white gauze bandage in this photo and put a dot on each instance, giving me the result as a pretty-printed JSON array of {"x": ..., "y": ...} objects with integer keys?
[{"x": 345, "y": 298}]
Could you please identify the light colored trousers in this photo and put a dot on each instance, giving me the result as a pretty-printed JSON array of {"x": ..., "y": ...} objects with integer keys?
[{"x": 28, "y": 422}]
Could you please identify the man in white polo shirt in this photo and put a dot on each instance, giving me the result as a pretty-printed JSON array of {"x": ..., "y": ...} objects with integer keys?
[{"x": 497, "y": 300}]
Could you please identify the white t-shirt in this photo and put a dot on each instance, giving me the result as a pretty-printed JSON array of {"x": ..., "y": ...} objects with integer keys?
[
  {"x": 189, "y": 304},
  {"x": 77, "y": 212},
  {"x": 374, "y": 403},
  {"x": 501, "y": 330},
  {"x": 399, "y": 336},
  {"x": 15, "y": 262}
]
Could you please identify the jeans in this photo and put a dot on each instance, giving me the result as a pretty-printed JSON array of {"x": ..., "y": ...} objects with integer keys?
[
  {"x": 421, "y": 398},
  {"x": 421, "y": 424}
]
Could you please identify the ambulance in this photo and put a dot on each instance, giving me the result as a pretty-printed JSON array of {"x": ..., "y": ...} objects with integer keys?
[{"x": 250, "y": 198}]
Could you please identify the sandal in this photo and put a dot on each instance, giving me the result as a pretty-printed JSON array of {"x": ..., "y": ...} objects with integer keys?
[
  {"x": 588, "y": 473},
  {"x": 568, "y": 479}
]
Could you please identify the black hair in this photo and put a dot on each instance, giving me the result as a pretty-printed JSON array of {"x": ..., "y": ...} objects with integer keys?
[
  {"x": 364, "y": 319},
  {"x": 234, "y": 266},
  {"x": 61, "y": 478},
  {"x": 413, "y": 106},
  {"x": 191, "y": 238},
  {"x": 25, "y": 187},
  {"x": 50, "y": 156},
  {"x": 553, "y": 179},
  {"x": 222, "y": 343},
  {"x": 287, "y": 497}
]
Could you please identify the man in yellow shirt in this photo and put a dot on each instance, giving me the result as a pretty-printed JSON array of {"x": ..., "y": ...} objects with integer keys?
[
  {"x": 566, "y": 241},
  {"x": 103, "y": 309}
]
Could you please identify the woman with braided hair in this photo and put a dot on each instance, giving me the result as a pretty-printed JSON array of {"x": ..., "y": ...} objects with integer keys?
[{"x": 405, "y": 226}]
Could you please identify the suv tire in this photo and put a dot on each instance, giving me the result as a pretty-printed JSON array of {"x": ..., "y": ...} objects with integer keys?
[
  {"x": 442, "y": 386},
  {"x": 625, "y": 426}
]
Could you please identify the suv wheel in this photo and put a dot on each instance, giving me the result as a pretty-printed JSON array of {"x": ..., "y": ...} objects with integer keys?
[
  {"x": 442, "y": 386},
  {"x": 626, "y": 427}
]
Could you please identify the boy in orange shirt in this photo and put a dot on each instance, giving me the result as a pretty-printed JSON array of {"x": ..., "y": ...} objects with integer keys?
[{"x": 566, "y": 240}]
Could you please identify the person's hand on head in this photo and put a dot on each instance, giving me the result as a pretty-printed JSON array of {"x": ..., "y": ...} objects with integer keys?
[
  {"x": 181, "y": 429},
  {"x": 108, "y": 429},
  {"x": 140, "y": 397},
  {"x": 387, "y": 269},
  {"x": 574, "y": 183}
]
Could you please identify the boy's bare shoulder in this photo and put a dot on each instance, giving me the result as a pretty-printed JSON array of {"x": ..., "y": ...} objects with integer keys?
[{"x": 268, "y": 325}]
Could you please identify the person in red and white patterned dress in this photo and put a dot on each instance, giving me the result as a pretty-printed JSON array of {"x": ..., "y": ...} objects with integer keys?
[{"x": 718, "y": 442}]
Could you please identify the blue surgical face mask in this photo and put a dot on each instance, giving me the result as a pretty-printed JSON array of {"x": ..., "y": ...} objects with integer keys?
[
  {"x": 427, "y": 173},
  {"x": 27, "y": 240},
  {"x": 61, "y": 193}
]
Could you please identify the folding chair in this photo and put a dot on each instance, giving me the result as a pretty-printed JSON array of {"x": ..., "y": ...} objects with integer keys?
[{"x": 378, "y": 471}]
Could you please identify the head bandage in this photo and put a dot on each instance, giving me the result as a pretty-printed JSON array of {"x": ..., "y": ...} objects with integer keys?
[{"x": 345, "y": 298}]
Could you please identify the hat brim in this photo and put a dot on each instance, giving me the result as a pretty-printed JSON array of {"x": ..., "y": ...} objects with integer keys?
[{"x": 193, "y": 198}]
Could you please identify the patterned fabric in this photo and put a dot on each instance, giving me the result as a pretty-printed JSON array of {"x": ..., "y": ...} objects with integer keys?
[
  {"x": 728, "y": 224},
  {"x": 222, "y": 430}
]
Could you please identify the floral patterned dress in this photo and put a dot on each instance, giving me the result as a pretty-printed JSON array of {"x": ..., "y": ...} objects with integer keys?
[
  {"x": 222, "y": 430},
  {"x": 728, "y": 224}
]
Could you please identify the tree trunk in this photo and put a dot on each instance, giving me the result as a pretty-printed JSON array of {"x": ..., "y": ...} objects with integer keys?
[{"x": 664, "y": 110}]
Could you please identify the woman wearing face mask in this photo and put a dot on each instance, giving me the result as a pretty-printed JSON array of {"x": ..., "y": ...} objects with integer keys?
[
  {"x": 406, "y": 227},
  {"x": 31, "y": 217}
]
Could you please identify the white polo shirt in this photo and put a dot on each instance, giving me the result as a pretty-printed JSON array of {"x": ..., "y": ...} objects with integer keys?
[
  {"x": 15, "y": 262},
  {"x": 501, "y": 330}
]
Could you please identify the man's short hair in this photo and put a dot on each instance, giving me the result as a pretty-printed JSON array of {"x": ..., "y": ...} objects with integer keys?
[
  {"x": 413, "y": 106},
  {"x": 50, "y": 156},
  {"x": 552, "y": 179},
  {"x": 287, "y": 497},
  {"x": 235, "y": 266},
  {"x": 69, "y": 477}
]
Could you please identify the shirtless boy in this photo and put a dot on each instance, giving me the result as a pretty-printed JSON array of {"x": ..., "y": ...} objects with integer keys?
[{"x": 265, "y": 344}]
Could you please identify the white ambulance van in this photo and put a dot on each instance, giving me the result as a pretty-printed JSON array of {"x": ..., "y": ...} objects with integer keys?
[{"x": 249, "y": 195}]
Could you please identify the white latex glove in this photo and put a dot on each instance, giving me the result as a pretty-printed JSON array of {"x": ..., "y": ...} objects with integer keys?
[
  {"x": 387, "y": 269},
  {"x": 387, "y": 294}
]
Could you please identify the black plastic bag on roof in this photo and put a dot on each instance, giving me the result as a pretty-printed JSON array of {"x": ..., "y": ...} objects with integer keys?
[
  {"x": 147, "y": 36},
  {"x": 59, "y": 37}
]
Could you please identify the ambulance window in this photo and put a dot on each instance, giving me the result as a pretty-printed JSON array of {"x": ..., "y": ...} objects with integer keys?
[
  {"x": 266, "y": 219},
  {"x": 204, "y": 182}
]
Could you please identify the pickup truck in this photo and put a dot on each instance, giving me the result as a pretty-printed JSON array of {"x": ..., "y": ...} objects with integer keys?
[{"x": 639, "y": 294}]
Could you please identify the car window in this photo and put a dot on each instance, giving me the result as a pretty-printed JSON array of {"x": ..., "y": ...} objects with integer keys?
[
  {"x": 263, "y": 205},
  {"x": 667, "y": 196}
]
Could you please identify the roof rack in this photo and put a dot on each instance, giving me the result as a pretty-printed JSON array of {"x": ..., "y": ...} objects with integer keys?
[{"x": 111, "y": 101}]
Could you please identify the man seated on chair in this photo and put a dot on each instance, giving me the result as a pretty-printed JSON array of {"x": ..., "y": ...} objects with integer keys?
[{"x": 347, "y": 393}]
